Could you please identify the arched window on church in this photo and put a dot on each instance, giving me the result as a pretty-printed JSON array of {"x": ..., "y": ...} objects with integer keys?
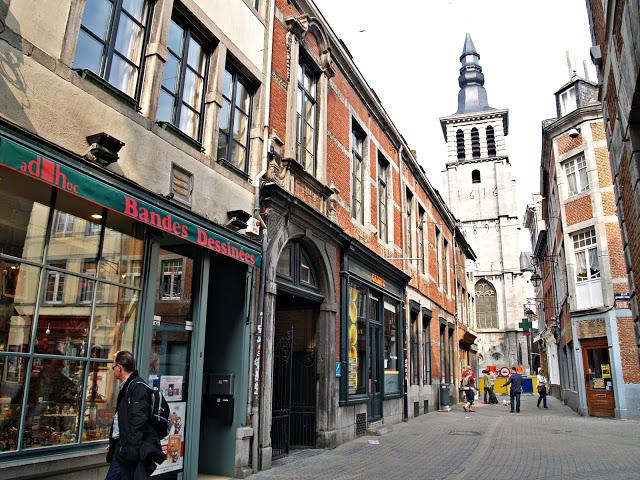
[
  {"x": 460, "y": 144},
  {"x": 491, "y": 141},
  {"x": 486, "y": 305},
  {"x": 475, "y": 176},
  {"x": 475, "y": 143}
]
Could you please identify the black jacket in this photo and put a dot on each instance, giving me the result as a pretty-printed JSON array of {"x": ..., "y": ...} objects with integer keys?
[{"x": 138, "y": 445}]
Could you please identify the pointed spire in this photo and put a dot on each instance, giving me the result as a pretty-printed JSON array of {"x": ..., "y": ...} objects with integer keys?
[{"x": 472, "y": 96}]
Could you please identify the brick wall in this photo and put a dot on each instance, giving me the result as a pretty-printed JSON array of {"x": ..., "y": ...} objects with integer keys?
[
  {"x": 579, "y": 210},
  {"x": 565, "y": 143},
  {"x": 628, "y": 350}
]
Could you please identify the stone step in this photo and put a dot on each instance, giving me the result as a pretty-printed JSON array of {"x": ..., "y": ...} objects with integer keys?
[{"x": 378, "y": 428}]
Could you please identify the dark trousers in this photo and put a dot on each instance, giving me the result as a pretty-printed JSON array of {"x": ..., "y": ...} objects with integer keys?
[
  {"x": 487, "y": 394},
  {"x": 542, "y": 398},
  {"x": 515, "y": 400},
  {"x": 118, "y": 471}
]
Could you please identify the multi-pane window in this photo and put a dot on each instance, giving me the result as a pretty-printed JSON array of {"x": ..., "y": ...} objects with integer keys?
[
  {"x": 426, "y": 349},
  {"x": 437, "y": 254},
  {"x": 383, "y": 172},
  {"x": 460, "y": 144},
  {"x": 491, "y": 141},
  {"x": 63, "y": 224},
  {"x": 111, "y": 41},
  {"x": 357, "y": 174},
  {"x": 475, "y": 143},
  {"x": 306, "y": 110},
  {"x": 576, "y": 171},
  {"x": 446, "y": 265},
  {"x": 171, "y": 281},
  {"x": 414, "y": 349},
  {"x": 422, "y": 261},
  {"x": 234, "y": 121},
  {"x": 87, "y": 286},
  {"x": 586, "y": 251},
  {"x": 409, "y": 225},
  {"x": 568, "y": 101},
  {"x": 486, "y": 305},
  {"x": 181, "y": 100},
  {"x": 391, "y": 349},
  {"x": 54, "y": 287}
]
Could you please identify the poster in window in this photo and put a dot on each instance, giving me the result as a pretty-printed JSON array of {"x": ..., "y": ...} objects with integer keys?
[
  {"x": 173, "y": 444},
  {"x": 171, "y": 387},
  {"x": 353, "y": 340}
]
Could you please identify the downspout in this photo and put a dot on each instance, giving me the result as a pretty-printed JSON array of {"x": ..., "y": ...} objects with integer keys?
[
  {"x": 257, "y": 346},
  {"x": 405, "y": 399},
  {"x": 455, "y": 297}
]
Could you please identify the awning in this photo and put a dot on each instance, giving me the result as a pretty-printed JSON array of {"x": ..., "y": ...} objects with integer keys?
[{"x": 28, "y": 162}]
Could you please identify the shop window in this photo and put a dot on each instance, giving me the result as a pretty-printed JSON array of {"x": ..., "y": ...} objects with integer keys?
[
  {"x": 576, "y": 172},
  {"x": 171, "y": 279},
  {"x": 383, "y": 214},
  {"x": 181, "y": 102},
  {"x": 92, "y": 229},
  {"x": 358, "y": 138},
  {"x": 112, "y": 41},
  {"x": 83, "y": 318},
  {"x": 443, "y": 353},
  {"x": 357, "y": 337},
  {"x": 306, "y": 117},
  {"x": 486, "y": 305},
  {"x": 426, "y": 349},
  {"x": 391, "y": 349},
  {"x": 414, "y": 349},
  {"x": 234, "y": 121}
]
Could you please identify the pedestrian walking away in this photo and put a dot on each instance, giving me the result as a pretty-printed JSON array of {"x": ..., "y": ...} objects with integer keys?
[
  {"x": 134, "y": 446},
  {"x": 542, "y": 388},
  {"x": 516, "y": 381},
  {"x": 468, "y": 386}
]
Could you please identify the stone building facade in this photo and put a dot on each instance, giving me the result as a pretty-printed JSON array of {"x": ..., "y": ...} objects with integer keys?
[
  {"x": 615, "y": 35},
  {"x": 580, "y": 257},
  {"x": 479, "y": 188}
]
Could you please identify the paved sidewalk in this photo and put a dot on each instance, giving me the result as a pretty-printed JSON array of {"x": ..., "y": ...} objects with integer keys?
[{"x": 489, "y": 444}]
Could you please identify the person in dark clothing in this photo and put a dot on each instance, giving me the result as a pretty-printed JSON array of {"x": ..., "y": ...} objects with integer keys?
[
  {"x": 134, "y": 448},
  {"x": 516, "y": 381}
]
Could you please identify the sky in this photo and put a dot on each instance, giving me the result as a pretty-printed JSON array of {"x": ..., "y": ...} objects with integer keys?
[{"x": 408, "y": 50}]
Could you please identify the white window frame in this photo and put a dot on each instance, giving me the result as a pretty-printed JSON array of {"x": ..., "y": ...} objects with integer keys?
[
  {"x": 576, "y": 170},
  {"x": 584, "y": 243},
  {"x": 174, "y": 293},
  {"x": 568, "y": 101}
]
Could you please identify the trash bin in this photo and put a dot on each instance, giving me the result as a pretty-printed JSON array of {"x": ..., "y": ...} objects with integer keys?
[{"x": 445, "y": 397}]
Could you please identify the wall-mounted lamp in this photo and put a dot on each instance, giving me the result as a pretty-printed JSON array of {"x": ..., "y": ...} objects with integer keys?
[
  {"x": 103, "y": 148},
  {"x": 574, "y": 132}
]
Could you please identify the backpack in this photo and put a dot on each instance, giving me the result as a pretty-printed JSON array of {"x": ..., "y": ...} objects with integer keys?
[{"x": 159, "y": 412}]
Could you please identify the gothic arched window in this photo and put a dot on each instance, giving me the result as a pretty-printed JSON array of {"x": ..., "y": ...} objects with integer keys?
[
  {"x": 475, "y": 176},
  {"x": 460, "y": 144},
  {"x": 491, "y": 141},
  {"x": 475, "y": 143},
  {"x": 486, "y": 305}
]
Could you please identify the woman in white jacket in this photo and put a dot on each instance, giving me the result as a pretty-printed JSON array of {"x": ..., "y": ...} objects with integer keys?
[{"x": 542, "y": 388}]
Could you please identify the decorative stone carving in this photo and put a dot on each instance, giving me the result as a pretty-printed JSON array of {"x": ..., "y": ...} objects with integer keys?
[
  {"x": 332, "y": 203},
  {"x": 298, "y": 25}
]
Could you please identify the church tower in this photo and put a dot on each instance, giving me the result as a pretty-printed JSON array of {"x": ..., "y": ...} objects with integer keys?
[{"x": 480, "y": 190}]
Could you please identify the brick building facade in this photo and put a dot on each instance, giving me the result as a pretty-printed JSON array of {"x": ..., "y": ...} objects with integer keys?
[
  {"x": 365, "y": 268},
  {"x": 585, "y": 325}
]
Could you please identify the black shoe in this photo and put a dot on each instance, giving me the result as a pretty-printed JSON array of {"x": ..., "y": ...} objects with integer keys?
[
  {"x": 517, "y": 411},
  {"x": 546, "y": 407},
  {"x": 510, "y": 411}
]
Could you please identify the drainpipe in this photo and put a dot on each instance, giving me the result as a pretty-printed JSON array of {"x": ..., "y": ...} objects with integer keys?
[
  {"x": 405, "y": 402},
  {"x": 257, "y": 345},
  {"x": 455, "y": 297}
]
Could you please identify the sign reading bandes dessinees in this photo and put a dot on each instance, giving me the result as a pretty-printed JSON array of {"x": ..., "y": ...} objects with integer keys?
[{"x": 26, "y": 161}]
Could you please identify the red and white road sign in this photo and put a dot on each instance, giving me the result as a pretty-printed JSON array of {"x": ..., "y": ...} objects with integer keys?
[{"x": 504, "y": 372}]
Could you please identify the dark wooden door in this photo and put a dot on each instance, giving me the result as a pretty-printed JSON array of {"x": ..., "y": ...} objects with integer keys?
[
  {"x": 281, "y": 406},
  {"x": 598, "y": 379}
]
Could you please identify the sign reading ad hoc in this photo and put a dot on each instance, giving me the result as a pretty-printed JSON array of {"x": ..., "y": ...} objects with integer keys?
[{"x": 29, "y": 163}]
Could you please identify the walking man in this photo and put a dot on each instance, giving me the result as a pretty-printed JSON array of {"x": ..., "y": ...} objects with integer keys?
[
  {"x": 134, "y": 448},
  {"x": 515, "y": 380},
  {"x": 488, "y": 382},
  {"x": 542, "y": 388}
]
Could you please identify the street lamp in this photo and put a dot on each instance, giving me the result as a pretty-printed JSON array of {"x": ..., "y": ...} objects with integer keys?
[{"x": 536, "y": 279}]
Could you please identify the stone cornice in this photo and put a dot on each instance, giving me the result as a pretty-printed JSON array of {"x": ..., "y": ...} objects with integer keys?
[{"x": 475, "y": 117}]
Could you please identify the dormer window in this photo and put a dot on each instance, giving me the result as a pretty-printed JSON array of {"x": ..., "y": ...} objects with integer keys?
[{"x": 568, "y": 101}]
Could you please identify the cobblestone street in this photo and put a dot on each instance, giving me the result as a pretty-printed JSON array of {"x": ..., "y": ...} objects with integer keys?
[{"x": 489, "y": 444}]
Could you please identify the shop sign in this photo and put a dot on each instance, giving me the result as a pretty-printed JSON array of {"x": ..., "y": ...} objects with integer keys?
[
  {"x": 606, "y": 370},
  {"x": 377, "y": 279},
  {"x": 29, "y": 163},
  {"x": 173, "y": 444}
]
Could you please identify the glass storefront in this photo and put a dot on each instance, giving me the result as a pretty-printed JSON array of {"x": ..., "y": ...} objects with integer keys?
[{"x": 70, "y": 278}]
